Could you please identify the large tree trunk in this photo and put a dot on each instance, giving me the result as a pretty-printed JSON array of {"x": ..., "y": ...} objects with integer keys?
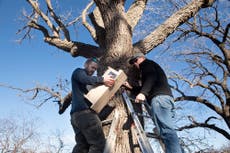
[
  {"x": 125, "y": 141},
  {"x": 118, "y": 46}
]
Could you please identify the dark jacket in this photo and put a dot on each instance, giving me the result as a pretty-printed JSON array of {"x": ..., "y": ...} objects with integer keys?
[
  {"x": 80, "y": 80},
  {"x": 153, "y": 79}
]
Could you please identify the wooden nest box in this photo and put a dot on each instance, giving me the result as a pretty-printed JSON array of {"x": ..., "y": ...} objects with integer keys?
[{"x": 99, "y": 96}]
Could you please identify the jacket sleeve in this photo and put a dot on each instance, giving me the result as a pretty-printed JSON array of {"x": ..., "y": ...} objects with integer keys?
[
  {"x": 81, "y": 76},
  {"x": 136, "y": 89}
]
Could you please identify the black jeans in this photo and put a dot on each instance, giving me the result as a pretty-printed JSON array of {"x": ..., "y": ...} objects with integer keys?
[{"x": 89, "y": 135}]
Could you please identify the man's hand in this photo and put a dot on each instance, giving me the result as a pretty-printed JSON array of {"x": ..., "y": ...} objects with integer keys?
[
  {"x": 127, "y": 85},
  {"x": 140, "y": 98},
  {"x": 108, "y": 81}
]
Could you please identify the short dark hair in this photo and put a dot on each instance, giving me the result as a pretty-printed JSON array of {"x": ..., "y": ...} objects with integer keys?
[{"x": 92, "y": 59}]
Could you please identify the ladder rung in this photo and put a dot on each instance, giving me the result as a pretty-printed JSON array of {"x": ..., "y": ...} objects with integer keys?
[
  {"x": 152, "y": 135},
  {"x": 147, "y": 116}
]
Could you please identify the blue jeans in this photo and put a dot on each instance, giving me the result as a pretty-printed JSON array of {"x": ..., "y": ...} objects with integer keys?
[{"x": 162, "y": 112}]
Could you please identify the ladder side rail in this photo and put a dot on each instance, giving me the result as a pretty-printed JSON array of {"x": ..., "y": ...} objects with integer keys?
[
  {"x": 144, "y": 143},
  {"x": 155, "y": 134}
]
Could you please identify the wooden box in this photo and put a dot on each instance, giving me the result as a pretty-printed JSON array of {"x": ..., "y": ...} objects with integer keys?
[{"x": 99, "y": 96}]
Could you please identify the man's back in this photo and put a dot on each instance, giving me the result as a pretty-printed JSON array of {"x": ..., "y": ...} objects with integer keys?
[{"x": 154, "y": 79}]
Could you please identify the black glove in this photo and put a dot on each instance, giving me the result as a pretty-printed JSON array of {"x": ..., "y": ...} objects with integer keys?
[{"x": 63, "y": 107}]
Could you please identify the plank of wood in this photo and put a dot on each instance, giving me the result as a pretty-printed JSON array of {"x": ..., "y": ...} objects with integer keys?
[
  {"x": 111, "y": 139},
  {"x": 100, "y": 95}
]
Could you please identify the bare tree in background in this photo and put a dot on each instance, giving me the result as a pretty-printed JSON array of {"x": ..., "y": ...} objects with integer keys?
[
  {"x": 16, "y": 137},
  {"x": 204, "y": 81},
  {"x": 22, "y": 136},
  {"x": 111, "y": 28},
  {"x": 56, "y": 144}
]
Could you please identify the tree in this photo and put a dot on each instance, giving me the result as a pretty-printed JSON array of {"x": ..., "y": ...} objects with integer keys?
[
  {"x": 16, "y": 138},
  {"x": 20, "y": 135},
  {"x": 202, "y": 86},
  {"x": 208, "y": 66},
  {"x": 112, "y": 29}
]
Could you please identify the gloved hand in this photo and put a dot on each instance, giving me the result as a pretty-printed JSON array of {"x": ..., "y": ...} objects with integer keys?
[{"x": 63, "y": 107}]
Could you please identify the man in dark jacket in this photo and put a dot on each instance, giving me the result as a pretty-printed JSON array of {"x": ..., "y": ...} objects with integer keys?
[
  {"x": 156, "y": 91},
  {"x": 87, "y": 126}
]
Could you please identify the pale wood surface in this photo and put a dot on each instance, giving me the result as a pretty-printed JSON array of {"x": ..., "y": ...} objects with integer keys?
[
  {"x": 111, "y": 139},
  {"x": 100, "y": 95}
]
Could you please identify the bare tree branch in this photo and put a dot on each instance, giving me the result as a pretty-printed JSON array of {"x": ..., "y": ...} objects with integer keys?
[
  {"x": 41, "y": 28},
  {"x": 202, "y": 101},
  {"x": 98, "y": 24},
  {"x": 196, "y": 124},
  {"x": 58, "y": 20},
  {"x": 207, "y": 68},
  {"x": 226, "y": 33},
  {"x": 46, "y": 19},
  {"x": 217, "y": 32},
  {"x": 135, "y": 12},
  {"x": 86, "y": 24},
  {"x": 34, "y": 93},
  {"x": 164, "y": 30}
]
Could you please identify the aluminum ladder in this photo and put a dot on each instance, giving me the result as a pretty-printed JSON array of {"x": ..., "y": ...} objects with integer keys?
[{"x": 141, "y": 135}]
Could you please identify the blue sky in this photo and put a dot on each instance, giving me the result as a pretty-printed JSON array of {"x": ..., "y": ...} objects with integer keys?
[
  {"x": 32, "y": 62},
  {"x": 27, "y": 64}
]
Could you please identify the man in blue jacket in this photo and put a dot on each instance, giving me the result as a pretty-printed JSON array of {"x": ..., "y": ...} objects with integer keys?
[
  {"x": 156, "y": 91},
  {"x": 87, "y": 126}
]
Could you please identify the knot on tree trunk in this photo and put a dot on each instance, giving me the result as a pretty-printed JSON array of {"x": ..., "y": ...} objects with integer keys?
[{"x": 73, "y": 51}]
